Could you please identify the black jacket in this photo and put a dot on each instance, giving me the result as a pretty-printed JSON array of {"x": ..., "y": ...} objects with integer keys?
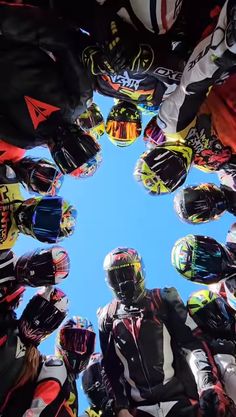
[
  {"x": 42, "y": 82},
  {"x": 143, "y": 350}
]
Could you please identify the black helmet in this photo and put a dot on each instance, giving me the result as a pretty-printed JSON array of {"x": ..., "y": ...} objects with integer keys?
[
  {"x": 200, "y": 204},
  {"x": 43, "y": 266},
  {"x": 92, "y": 120},
  {"x": 93, "y": 384},
  {"x": 39, "y": 175},
  {"x": 43, "y": 314},
  {"x": 125, "y": 274},
  {"x": 202, "y": 259},
  {"x": 72, "y": 147},
  {"x": 211, "y": 313},
  {"x": 163, "y": 169}
]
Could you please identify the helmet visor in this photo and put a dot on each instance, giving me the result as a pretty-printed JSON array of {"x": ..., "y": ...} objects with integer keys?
[
  {"x": 123, "y": 133},
  {"x": 199, "y": 204},
  {"x": 127, "y": 282},
  {"x": 79, "y": 341},
  {"x": 91, "y": 118},
  {"x": 200, "y": 259}
]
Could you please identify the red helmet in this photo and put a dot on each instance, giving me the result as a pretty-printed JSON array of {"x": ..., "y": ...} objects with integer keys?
[
  {"x": 39, "y": 175},
  {"x": 75, "y": 343},
  {"x": 43, "y": 266}
]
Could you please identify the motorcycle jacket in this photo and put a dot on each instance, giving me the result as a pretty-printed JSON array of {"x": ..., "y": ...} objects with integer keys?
[
  {"x": 212, "y": 136},
  {"x": 136, "y": 88},
  {"x": 219, "y": 105},
  {"x": 42, "y": 82},
  {"x": 211, "y": 60},
  {"x": 55, "y": 392},
  {"x": 13, "y": 354},
  {"x": 152, "y": 75},
  {"x": 143, "y": 350}
]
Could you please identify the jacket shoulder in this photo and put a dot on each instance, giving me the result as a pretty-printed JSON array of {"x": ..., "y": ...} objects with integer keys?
[
  {"x": 105, "y": 315},
  {"x": 53, "y": 368}
]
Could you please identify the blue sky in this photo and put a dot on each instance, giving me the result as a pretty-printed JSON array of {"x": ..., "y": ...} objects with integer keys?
[{"x": 114, "y": 210}]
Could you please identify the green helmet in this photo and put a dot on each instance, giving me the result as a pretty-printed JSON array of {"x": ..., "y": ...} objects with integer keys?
[{"x": 201, "y": 259}]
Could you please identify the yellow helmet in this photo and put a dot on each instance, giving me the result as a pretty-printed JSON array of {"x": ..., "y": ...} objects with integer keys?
[
  {"x": 92, "y": 121},
  {"x": 124, "y": 124},
  {"x": 163, "y": 169}
]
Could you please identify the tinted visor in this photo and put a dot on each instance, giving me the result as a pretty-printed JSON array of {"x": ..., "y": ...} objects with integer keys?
[
  {"x": 208, "y": 263},
  {"x": 40, "y": 218},
  {"x": 91, "y": 118},
  {"x": 79, "y": 341},
  {"x": 123, "y": 133},
  {"x": 168, "y": 166},
  {"x": 199, "y": 204},
  {"x": 215, "y": 316},
  {"x": 45, "y": 180},
  {"x": 72, "y": 151},
  {"x": 47, "y": 219},
  {"x": 125, "y": 281}
]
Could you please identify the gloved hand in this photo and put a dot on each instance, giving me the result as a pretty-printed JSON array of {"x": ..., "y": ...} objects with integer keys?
[
  {"x": 92, "y": 412},
  {"x": 108, "y": 409},
  {"x": 222, "y": 346},
  {"x": 120, "y": 48},
  {"x": 96, "y": 61},
  {"x": 214, "y": 403}
]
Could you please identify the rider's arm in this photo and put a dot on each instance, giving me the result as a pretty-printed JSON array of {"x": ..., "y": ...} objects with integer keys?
[
  {"x": 112, "y": 365},
  {"x": 48, "y": 396}
]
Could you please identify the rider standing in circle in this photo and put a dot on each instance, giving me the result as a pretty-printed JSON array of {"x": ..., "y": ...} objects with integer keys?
[{"x": 143, "y": 336}]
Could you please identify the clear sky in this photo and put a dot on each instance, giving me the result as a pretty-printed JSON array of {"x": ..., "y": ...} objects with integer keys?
[{"x": 114, "y": 210}]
